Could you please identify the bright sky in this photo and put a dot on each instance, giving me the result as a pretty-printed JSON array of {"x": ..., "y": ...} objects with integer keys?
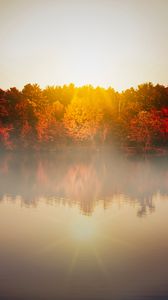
[{"x": 120, "y": 43}]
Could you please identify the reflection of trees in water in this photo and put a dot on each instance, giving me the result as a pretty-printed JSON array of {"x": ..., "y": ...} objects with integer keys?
[
  {"x": 82, "y": 185},
  {"x": 146, "y": 206},
  {"x": 83, "y": 178}
]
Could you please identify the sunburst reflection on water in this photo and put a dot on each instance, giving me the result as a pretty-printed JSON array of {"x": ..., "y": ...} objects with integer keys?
[{"x": 78, "y": 227}]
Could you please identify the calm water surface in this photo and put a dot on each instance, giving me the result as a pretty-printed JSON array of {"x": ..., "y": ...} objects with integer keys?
[{"x": 81, "y": 225}]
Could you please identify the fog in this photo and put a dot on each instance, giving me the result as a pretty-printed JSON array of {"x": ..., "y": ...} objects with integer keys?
[
  {"x": 82, "y": 177},
  {"x": 83, "y": 224}
]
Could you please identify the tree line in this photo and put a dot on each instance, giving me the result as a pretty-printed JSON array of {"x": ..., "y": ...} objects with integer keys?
[{"x": 36, "y": 118}]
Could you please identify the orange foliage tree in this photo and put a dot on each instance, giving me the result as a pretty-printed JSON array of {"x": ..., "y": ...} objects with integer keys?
[
  {"x": 35, "y": 118},
  {"x": 82, "y": 119},
  {"x": 49, "y": 127},
  {"x": 5, "y": 136},
  {"x": 146, "y": 128}
]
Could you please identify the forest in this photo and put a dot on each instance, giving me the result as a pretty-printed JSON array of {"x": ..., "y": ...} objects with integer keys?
[{"x": 46, "y": 119}]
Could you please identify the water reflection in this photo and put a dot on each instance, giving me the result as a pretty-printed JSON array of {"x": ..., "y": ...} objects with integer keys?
[
  {"x": 84, "y": 178},
  {"x": 77, "y": 235}
]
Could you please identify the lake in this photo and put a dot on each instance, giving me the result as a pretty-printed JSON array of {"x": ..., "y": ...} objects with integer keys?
[{"x": 82, "y": 224}]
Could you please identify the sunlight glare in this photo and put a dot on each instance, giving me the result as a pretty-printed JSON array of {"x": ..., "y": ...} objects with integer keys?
[{"x": 83, "y": 229}]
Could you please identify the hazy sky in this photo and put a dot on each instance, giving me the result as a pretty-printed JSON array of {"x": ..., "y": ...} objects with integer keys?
[{"x": 120, "y": 43}]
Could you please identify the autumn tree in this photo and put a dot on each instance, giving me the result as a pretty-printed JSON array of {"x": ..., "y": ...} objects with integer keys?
[
  {"x": 82, "y": 119},
  {"x": 57, "y": 93},
  {"x": 49, "y": 126},
  {"x": 146, "y": 128},
  {"x": 43, "y": 118}
]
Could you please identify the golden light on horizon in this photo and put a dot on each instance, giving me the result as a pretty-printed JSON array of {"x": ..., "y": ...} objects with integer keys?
[{"x": 107, "y": 43}]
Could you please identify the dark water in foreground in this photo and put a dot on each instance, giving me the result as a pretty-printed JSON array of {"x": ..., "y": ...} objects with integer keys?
[{"x": 83, "y": 225}]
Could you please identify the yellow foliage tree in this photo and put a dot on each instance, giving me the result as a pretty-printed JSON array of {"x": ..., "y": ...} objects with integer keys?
[{"x": 82, "y": 119}]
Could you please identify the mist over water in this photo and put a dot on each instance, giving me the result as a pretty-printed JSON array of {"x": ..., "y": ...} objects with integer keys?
[
  {"x": 83, "y": 224},
  {"x": 84, "y": 178}
]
